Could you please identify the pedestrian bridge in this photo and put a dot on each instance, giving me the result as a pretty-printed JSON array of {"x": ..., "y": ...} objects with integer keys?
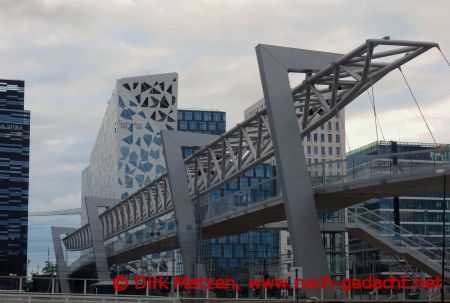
[
  {"x": 244, "y": 210},
  {"x": 183, "y": 204}
]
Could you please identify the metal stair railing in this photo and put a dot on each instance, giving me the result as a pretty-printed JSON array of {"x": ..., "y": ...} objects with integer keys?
[{"x": 399, "y": 236}]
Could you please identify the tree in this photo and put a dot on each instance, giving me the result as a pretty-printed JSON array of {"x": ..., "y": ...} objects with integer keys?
[{"x": 49, "y": 268}]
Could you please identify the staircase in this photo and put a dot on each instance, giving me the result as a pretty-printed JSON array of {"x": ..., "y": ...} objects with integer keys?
[{"x": 395, "y": 240}]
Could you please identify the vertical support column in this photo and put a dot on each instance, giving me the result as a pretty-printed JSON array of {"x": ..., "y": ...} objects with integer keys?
[
  {"x": 179, "y": 191},
  {"x": 396, "y": 205},
  {"x": 100, "y": 257},
  {"x": 61, "y": 264},
  {"x": 274, "y": 65}
]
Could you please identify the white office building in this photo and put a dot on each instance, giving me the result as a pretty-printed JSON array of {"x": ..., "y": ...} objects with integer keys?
[{"x": 128, "y": 152}]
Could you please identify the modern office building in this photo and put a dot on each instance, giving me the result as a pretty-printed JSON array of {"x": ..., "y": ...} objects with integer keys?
[
  {"x": 249, "y": 254},
  {"x": 236, "y": 256},
  {"x": 419, "y": 215},
  {"x": 324, "y": 144},
  {"x": 14, "y": 178},
  {"x": 128, "y": 151},
  {"x": 200, "y": 121}
]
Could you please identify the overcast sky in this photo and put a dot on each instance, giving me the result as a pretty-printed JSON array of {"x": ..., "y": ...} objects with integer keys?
[{"x": 71, "y": 52}]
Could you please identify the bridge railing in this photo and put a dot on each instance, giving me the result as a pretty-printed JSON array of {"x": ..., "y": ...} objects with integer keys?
[
  {"x": 400, "y": 236},
  {"x": 150, "y": 231},
  {"x": 46, "y": 289},
  {"x": 363, "y": 167},
  {"x": 211, "y": 207}
]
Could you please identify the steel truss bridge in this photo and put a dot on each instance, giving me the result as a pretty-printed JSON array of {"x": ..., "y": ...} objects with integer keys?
[{"x": 174, "y": 209}]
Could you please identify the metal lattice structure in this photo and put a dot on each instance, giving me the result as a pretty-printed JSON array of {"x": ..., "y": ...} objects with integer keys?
[
  {"x": 318, "y": 98},
  {"x": 152, "y": 201},
  {"x": 62, "y": 212}
]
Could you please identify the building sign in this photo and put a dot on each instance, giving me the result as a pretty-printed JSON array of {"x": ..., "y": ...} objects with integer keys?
[
  {"x": 129, "y": 122},
  {"x": 10, "y": 127}
]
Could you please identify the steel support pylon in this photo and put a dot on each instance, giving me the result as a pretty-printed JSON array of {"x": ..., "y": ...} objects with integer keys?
[
  {"x": 274, "y": 65},
  {"x": 187, "y": 224},
  {"x": 61, "y": 265},
  {"x": 100, "y": 257}
]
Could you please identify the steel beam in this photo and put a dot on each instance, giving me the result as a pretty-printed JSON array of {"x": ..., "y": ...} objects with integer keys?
[
  {"x": 274, "y": 64},
  {"x": 187, "y": 225},
  {"x": 100, "y": 257},
  {"x": 61, "y": 264}
]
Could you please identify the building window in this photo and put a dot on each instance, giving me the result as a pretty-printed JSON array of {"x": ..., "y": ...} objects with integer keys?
[
  {"x": 330, "y": 138},
  {"x": 198, "y": 116},
  {"x": 322, "y": 148},
  {"x": 238, "y": 251},
  {"x": 227, "y": 251},
  {"x": 216, "y": 251},
  {"x": 308, "y": 148},
  {"x": 329, "y": 125},
  {"x": 212, "y": 126},
  {"x": 322, "y": 127},
  {"x": 330, "y": 150},
  {"x": 183, "y": 125},
  {"x": 309, "y": 160},
  {"x": 315, "y": 137},
  {"x": 337, "y": 125},
  {"x": 180, "y": 115},
  {"x": 338, "y": 151},
  {"x": 192, "y": 125},
  {"x": 308, "y": 137},
  {"x": 259, "y": 171},
  {"x": 217, "y": 117},
  {"x": 338, "y": 139},
  {"x": 207, "y": 116},
  {"x": 202, "y": 125},
  {"x": 322, "y": 138},
  {"x": 188, "y": 116},
  {"x": 316, "y": 150}
]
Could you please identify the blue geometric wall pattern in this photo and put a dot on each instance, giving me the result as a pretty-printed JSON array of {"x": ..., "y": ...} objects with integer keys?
[{"x": 128, "y": 151}]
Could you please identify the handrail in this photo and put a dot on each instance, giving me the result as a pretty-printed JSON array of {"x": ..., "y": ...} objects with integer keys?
[{"x": 397, "y": 234}]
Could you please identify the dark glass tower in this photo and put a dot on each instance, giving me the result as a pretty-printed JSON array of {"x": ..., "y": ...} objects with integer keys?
[{"x": 14, "y": 166}]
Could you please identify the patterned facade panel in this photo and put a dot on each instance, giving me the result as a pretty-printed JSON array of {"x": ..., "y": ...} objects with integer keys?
[
  {"x": 128, "y": 150},
  {"x": 146, "y": 105}
]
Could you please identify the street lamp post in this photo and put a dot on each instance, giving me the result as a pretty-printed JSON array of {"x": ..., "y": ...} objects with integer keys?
[{"x": 443, "y": 172}]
